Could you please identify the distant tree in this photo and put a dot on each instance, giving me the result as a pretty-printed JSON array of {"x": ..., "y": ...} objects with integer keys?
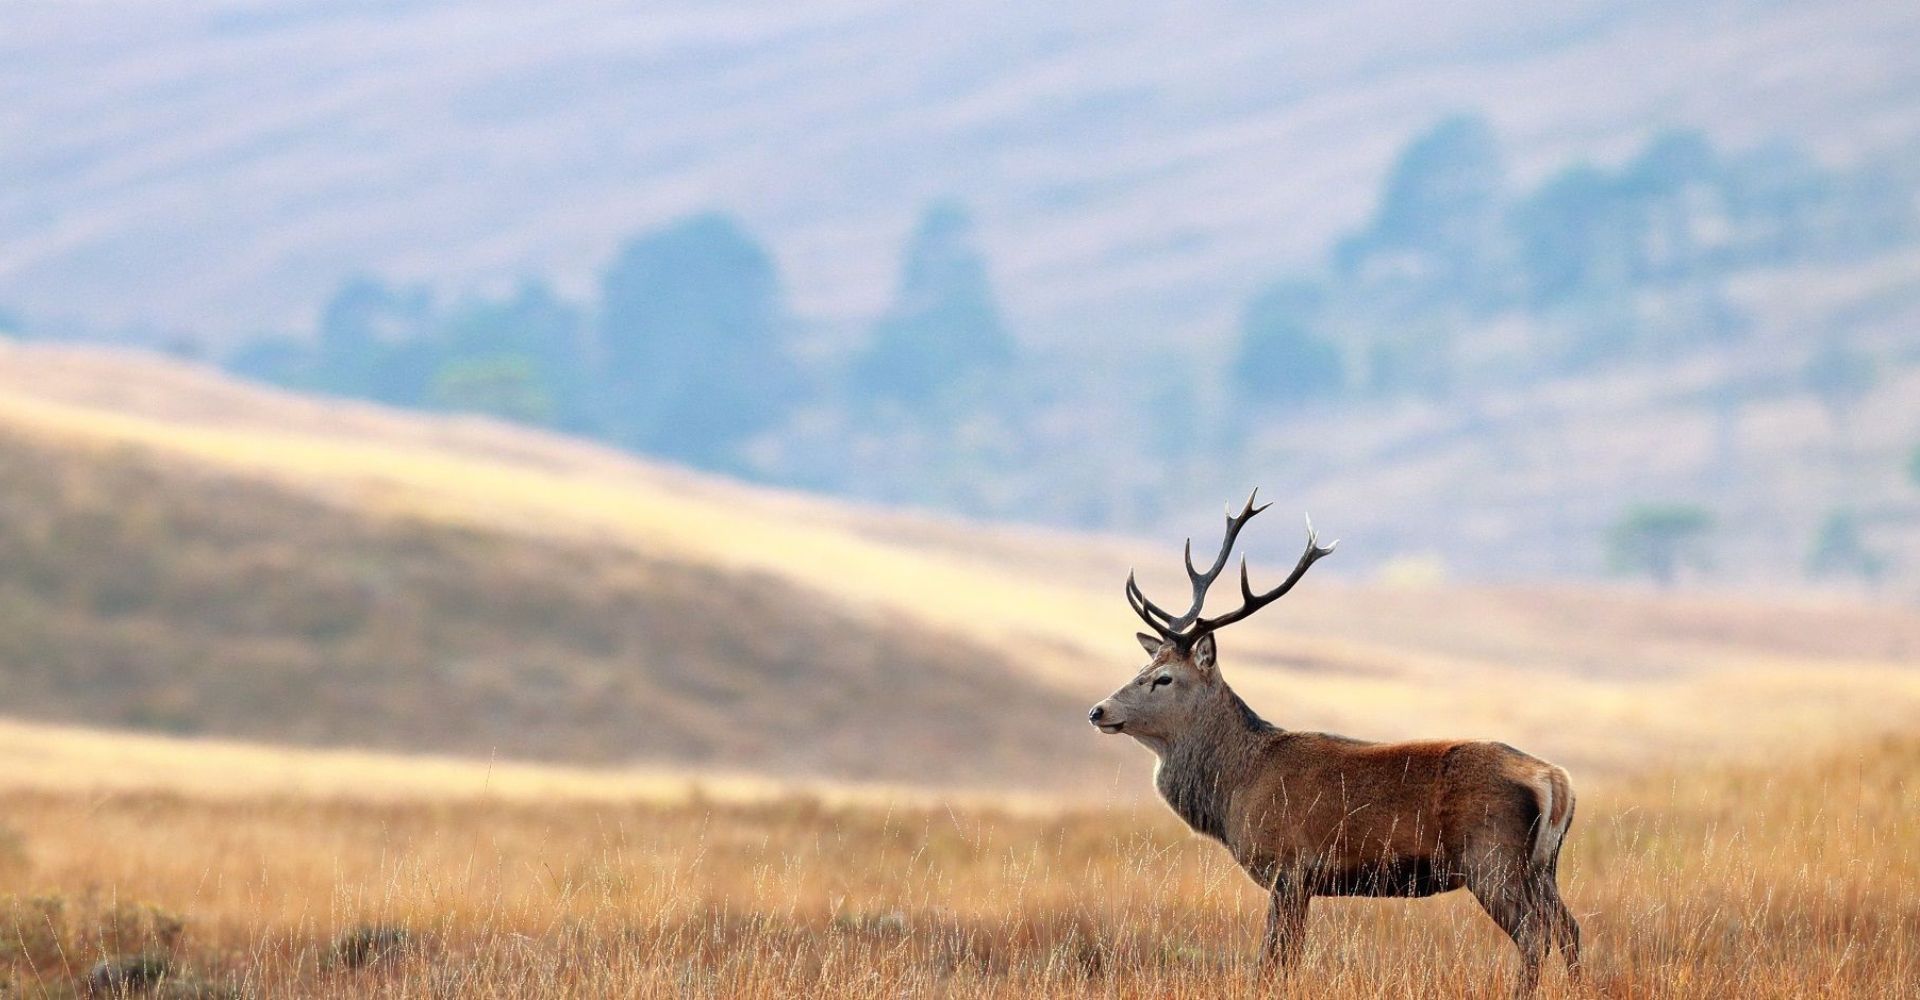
[
  {"x": 943, "y": 334},
  {"x": 365, "y": 312},
  {"x": 532, "y": 321},
  {"x": 1840, "y": 550},
  {"x": 1875, "y": 209},
  {"x": 691, "y": 331},
  {"x": 1778, "y": 198},
  {"x": 1283, "y": 357},
  {"x": 1440, "y": 222},
  {"x": 274, "y": 358},
  {"x": 1630, "y": 262},
  {"x": 181, "y": 346},
  {"x": 1441, "y": 186},
  {"x": 1673, "y": 161},
  {"x": 1841, "y": 377},
  {"x": 1658, "y": 540},
  {"x": 1671, "y": 191},
  {"x": 1573, "y": 237},
  {"x": 375, "y": 342},
  {"x": 505, "y": 386},
  {"x": 535, "y": 336}
]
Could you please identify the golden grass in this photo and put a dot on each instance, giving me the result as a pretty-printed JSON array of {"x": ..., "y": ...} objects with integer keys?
[
  {"x": 94, "y": 763},
  {"x": 1795, "y": 880}
]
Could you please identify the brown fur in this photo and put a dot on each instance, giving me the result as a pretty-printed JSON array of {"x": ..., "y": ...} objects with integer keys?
[{"x": 1311, "y": 814}]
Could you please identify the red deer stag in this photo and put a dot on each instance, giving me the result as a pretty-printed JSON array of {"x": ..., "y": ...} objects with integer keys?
[{"x": 1312, "y": 814}]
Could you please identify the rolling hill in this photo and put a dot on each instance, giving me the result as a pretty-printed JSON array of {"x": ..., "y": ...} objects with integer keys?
[{"x": 183, "y": 553}]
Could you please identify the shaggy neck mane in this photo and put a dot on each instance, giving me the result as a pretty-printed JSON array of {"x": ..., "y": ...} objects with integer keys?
[{"x": 1197, "y": 772}]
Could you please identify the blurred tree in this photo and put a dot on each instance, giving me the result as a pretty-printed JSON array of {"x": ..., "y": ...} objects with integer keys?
[
  {"x": 505, "y": 386},
  {"x": 1572, "y": 237},
  {"x": 690, "y": 328},
  {"x": 1672, "y": 191},
  {"x": 1777, "y": 193},
  {"x": 535, "y": 336},
  {"x": 943, "y": 335},
  {"x": 1875, "y": 209},
  {"x": 1440, "y": 228},
  {"x": 274, "y": 358},
  {"x": 1658, "y": 540},
  {"x": 1841, "y": 377},
  {"x": 1840, "y": 550},
  {"x": 1673, "y": 161},
  {"x": 1431, "y": 266},
  {"x": 1283, "y": 358},
  {"x": 376, "y": 343},
  {"x": 1631, "y": 262}
]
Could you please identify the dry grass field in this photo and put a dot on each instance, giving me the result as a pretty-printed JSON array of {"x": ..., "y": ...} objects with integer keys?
[
  {"x": 1792, "y": 880},
  {"x": 884, "y": 787}
]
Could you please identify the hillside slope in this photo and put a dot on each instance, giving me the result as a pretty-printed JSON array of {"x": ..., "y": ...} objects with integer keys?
[
  {"x": 187, "y": 553},
  {"x": 138, "y": 593}
]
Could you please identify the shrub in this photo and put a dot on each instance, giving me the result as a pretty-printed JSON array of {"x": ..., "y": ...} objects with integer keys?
[
  {"x": 368, "y": 944},
  {"x": 32, "y": 929},
  {"x": 1658, "y": 539},
  {"x": 124, "y": 975},
  {"x": 14, "y": 861}
]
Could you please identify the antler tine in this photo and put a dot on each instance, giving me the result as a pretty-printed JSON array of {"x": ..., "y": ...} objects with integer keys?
[
  {"x": 1146, "y": 609},
  {"x": 1234, "y": 523},
  {"x": 1251, "y": 602},
  {"x": 1139, "y": 597},
  {"x": 1200, "y": 581},
  {"x": 1189, "y": 627}
]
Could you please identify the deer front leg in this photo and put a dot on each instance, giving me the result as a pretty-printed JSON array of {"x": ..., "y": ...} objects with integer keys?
[{"x": 1286, "y": 928}]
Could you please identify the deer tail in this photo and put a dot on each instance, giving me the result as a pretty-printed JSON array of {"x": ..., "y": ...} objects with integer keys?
[{"x": 1554, "y": 789}]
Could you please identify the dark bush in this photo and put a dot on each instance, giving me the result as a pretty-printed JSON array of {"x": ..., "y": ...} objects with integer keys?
[
  {"x": 368, "y": 944},
  {"x": 127, "y": 975}
]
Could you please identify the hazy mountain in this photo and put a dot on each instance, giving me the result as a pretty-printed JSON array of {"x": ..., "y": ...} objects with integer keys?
[{"x": 219, "y": 168}]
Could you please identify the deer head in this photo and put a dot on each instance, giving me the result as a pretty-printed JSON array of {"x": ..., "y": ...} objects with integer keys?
[{"x": 1180, "y": 685}]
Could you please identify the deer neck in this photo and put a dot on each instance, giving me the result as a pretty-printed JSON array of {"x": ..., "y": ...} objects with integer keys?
[{"x": 1202, "y": 768}]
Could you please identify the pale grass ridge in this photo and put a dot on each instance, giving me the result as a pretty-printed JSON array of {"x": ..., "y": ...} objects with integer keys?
[{"x": 40, "y": 758}]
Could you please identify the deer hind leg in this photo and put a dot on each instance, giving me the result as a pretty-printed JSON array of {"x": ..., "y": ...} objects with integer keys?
[
  {"x": 1511, "y": 898},
  {"x": 1560, "y": 924}
]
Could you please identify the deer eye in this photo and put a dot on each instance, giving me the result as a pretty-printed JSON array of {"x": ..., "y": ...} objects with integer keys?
[{"x": 1163, "y": 679}]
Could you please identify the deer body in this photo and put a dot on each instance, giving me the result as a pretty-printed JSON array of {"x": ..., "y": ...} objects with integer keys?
[{"x": 1312, "y": 814}]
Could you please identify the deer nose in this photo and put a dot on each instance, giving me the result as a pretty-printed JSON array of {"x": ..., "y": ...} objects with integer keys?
[{"x": 1096, "y": 715}]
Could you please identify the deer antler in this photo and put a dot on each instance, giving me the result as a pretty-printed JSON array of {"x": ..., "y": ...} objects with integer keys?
[{"x": 1186, "y": 629}]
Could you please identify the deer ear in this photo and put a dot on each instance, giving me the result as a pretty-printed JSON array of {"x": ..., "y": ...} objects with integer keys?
[
  {"x": 1150, "y": 643},
  {"x": 1205, "y": 654}
]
